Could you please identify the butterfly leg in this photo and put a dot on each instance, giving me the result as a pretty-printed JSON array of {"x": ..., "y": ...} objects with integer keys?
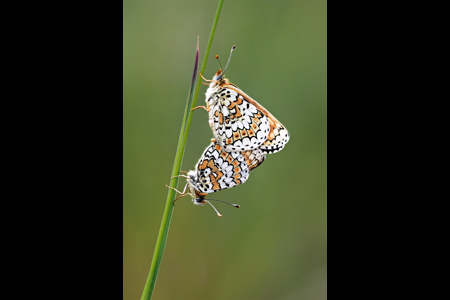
[
  {"x": 207, "y": 80},
  {"x": 182, "y": 193},
  {"x": 205, "y": 108},
  {"x": 179, "y": 198},
  {"x": 177, "y": 190}
]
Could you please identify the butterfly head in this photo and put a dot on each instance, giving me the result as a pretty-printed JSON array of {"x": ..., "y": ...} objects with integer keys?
[
  {"x": 218, "y": 76},
  {"x": 218, "y": 80},
  {"x": 197, "y": 197},
  {"x": 199, "y": 201}
]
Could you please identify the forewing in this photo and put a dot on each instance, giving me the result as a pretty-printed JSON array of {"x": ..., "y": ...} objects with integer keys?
[
  {"x": 237, "y": 124},
  {"x": 218, "y": 169},
  {"x": 278, "y": 135}
]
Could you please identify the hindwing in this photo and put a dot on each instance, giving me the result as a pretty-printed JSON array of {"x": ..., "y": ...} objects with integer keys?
[
  {"x": 254, "y": 158},
  {"x": 218, "y": 169}
]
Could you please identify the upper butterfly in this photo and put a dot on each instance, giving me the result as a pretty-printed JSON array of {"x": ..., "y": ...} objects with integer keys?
[{"x": 240, "y": 123}]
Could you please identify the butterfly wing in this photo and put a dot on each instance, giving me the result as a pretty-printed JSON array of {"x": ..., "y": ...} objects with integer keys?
[
  {"x": 218, "y": 169},
  {"x": 278, "y": 135},
  {"x": 277, "y": 139},
  {"x": 237, "y": 124},
  {"x": 254, "y": 158}
]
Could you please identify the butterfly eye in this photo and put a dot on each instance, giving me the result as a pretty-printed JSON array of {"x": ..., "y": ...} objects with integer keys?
[{"x": 199, "y": 200}]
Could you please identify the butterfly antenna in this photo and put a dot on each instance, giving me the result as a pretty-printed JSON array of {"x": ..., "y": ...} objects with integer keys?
[
  {"x": 235, "y": 205},
  {"x": 231, "y": 52},
  {"x": 217, "y": 57},
  {"x": 214, "y": 208}
]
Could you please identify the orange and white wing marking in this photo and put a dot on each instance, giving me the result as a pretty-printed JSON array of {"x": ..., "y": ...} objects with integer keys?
[
  {"x": 217, "y": 170},
  {"x": 278, "y": 135},
  {"x": 239, "y": 122},
  {"x": 254, "y": 158}
]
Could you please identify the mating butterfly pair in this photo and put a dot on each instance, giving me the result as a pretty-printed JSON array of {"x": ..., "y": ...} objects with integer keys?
[{"x": 245, "y": 132}]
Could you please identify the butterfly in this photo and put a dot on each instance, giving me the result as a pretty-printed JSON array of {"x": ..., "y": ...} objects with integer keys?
[
  {"x": 238, "y": 122},
  {"x": 216, "y": 170}
]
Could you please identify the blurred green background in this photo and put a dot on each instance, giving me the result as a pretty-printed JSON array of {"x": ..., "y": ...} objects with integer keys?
[{"x": 275, "y": 245}]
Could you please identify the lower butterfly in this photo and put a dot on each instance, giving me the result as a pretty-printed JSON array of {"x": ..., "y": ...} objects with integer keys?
[
  {"x": 217, "y": 170},
  {"x": 240, "y": 123}
]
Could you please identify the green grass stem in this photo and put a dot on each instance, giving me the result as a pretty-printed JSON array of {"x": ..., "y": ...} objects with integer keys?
[{"x": 187, "y": 118}]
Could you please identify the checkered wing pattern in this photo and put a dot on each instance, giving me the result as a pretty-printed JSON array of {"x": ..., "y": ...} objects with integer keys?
[
  {"x": 240, "y": 123},
  {"x": 277, "y": 139},
  {"x": 237, "y": 124},
  {"x": 218, "y": 169}
]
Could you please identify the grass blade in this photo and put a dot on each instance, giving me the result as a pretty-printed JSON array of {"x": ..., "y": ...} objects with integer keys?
[{"x": 187, "y": 118}]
